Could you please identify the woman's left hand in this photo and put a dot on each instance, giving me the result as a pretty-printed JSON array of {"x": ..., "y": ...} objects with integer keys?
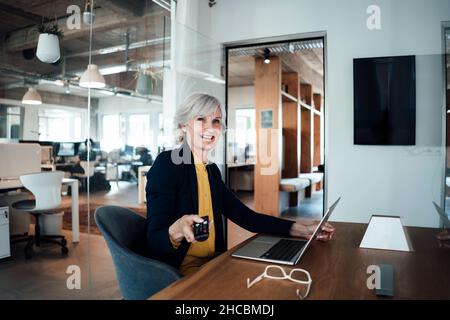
[{"x": 305, "y": 229}]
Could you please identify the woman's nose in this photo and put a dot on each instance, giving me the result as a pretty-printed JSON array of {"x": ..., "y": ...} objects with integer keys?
[{"x": 208, "y": 124}]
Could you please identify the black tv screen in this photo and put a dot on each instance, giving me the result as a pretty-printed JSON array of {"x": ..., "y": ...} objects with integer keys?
[{"x": 384, "y": 101}]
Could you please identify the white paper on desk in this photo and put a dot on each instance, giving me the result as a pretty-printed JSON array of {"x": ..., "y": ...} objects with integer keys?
[{"x": 387, "y": 233}]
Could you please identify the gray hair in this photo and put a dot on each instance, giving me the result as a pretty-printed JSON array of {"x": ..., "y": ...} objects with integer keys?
[{"x": 197, "y": 104}]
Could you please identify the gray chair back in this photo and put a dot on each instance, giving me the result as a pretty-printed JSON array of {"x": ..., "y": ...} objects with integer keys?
[{"x": 139, "y": 277}]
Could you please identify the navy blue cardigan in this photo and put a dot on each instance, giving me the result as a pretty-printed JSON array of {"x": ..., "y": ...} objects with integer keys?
[{"x": 171, "y": 192}]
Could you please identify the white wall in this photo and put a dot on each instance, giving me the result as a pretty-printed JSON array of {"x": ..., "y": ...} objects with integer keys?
[
  {"x": 238, "y": 97},
  {"x": 371, "y": 179}
]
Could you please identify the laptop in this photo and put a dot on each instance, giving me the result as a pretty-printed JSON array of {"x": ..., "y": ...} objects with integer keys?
[
  {"x": 278, "y": 249},
  {"x": 443, "y": 215}
]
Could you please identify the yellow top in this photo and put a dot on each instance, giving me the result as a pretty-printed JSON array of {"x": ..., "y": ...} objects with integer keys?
[{"x": 200, "y": 252}]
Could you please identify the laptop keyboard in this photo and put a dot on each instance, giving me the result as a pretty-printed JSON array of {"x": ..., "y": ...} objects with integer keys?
[{"x": 284, "y": 250}]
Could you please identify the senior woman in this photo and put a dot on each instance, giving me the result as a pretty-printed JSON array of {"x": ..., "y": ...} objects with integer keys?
[{"x": 182, "y": 186}]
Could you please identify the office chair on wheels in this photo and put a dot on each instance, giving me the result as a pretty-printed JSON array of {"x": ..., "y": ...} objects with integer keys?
[{"x": 46, "y": 188}]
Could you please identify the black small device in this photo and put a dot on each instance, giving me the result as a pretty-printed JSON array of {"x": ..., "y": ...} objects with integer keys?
[
  {"x": 386, "y": 281},
  {"x": 201, "y": 230}
]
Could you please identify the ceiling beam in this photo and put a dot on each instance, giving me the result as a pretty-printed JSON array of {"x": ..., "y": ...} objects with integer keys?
[
  {"x": 19, "y": 63},
  {"x": 121, "y": 47},
  {"x": 34, "y": 18},
  {"x": 306, "y": 74},
  {"x": 27, "y": 38},
  {"x": 313, "y": 60},
  {"x": 105, "y": 20},
  {"x": 125, "y": 8},
  {"x": 48, "y": 97}
]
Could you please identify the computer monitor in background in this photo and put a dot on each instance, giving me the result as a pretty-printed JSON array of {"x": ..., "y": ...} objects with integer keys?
[
  {"x": 66, "y": 149},
  {"x": 81, "y": 147},
  {"x": 129, "y": 150},
  {"x": 95, "y": 145}
]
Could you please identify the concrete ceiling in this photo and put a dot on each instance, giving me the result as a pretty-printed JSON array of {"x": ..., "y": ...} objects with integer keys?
[
  {"x": 308, "y": 63},
  {"x": 138, "y": 23}
]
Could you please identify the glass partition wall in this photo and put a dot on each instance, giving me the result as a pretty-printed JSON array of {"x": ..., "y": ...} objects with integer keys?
[
  {"x": 104, "y": 137},
  {"x": 123, "y": 126}
]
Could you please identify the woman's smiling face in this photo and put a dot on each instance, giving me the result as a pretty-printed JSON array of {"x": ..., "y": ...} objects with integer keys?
[{"x": 203, "y": 131}]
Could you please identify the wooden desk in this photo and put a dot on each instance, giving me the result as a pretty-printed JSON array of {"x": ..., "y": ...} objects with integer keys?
[{"x": 338, "y": 271}]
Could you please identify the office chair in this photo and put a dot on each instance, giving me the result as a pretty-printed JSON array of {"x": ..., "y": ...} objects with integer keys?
[
  {"x": 87, "y": 173},
  {"x": 139, "y": 277},
  {"x": 46, "y": 188}
]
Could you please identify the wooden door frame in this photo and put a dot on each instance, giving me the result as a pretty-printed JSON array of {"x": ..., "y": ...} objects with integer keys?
[{"x": 227, "y": 46}]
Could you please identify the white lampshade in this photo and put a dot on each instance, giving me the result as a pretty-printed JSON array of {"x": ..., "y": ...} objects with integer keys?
[
  {"x": 32, "y": 97},
  {"x": 92, "y": 78},
  {"x": 48, "y": 48}
]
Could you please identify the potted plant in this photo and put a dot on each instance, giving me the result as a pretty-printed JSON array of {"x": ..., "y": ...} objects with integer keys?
[
  {"x": 48, "y": 43},
  {"x": 144, "y": 83}
]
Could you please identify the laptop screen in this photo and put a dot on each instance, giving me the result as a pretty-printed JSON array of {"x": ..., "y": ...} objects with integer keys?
[{"x": 322, "y": 222}]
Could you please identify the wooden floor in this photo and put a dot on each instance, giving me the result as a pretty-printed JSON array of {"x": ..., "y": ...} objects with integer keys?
[
  {"x": 122, "y": 194},
  {"x": 308, "y": 208},
  {"x": 44, "y": 275}
]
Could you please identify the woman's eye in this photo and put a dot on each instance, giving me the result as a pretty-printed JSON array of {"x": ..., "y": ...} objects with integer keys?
[
  {"x": 216, "y": 121},
  {"x": 200, "y": 119}
]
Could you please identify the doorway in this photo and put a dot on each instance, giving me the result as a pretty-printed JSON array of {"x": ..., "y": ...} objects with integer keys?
[{"x": 275, "y": 95}]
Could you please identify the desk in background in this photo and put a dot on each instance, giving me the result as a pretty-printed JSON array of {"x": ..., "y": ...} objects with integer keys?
[
  {"x": 338, "y": 271},
  {"x": 18, "y": 159},
  {"x": 240, "y": 182},
  {"x": 112, "y": 172},
  {"x": 73, "y": 183}
]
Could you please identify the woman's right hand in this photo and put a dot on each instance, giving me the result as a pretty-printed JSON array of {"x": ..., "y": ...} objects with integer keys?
[{"x": 182, "y": 228}]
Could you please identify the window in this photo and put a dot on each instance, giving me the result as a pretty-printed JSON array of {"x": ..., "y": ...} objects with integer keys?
[
  {"x": 61, "y": 125},
  {"x": 10, "y": 122},
  {"x": 245, "y": 131},
  {"x": 131, "y": 129},
  {"x": 111, "y": 137},
  {"x": 160, "y": 142},
  {"x": 138, "y": 131}
]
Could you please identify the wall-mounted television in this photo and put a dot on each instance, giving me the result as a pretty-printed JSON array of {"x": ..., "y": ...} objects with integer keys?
[{"x": 384, "y": 101}]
